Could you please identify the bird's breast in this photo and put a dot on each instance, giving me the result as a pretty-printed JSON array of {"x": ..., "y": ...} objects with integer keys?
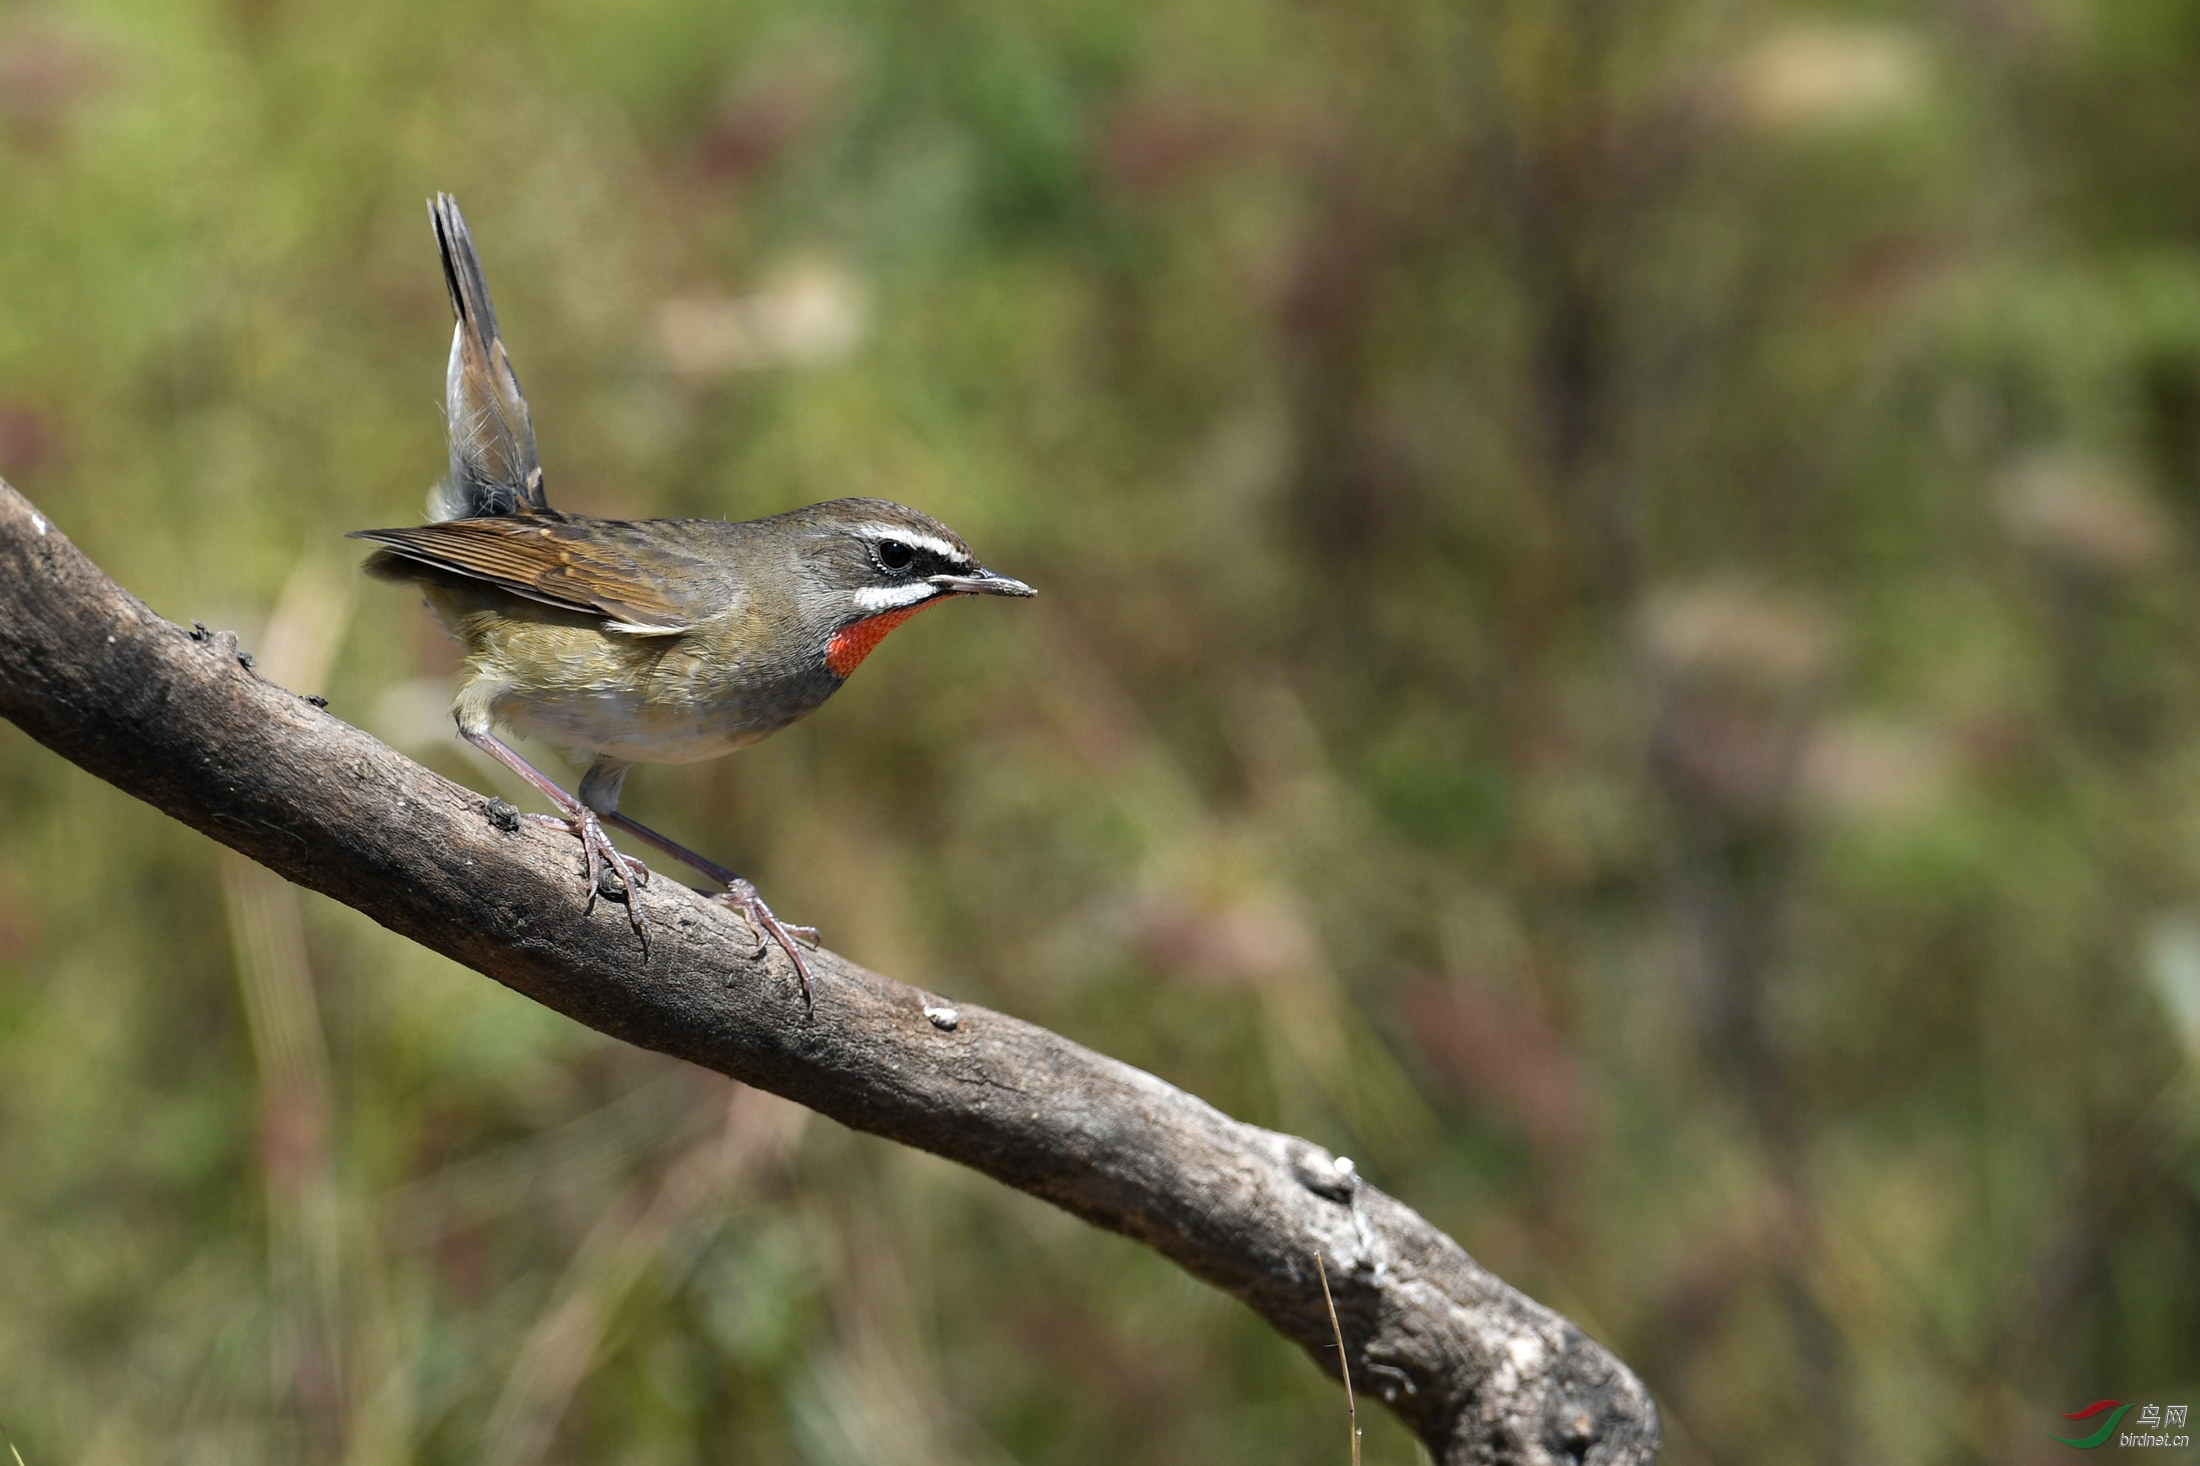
[{"x": 646, "y": 699}]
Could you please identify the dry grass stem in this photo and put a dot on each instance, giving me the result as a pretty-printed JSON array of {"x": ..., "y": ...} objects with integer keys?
[{"x": 1344, "y": 1369}]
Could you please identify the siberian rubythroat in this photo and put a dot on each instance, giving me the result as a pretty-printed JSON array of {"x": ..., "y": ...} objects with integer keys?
[{"x": 642, "y": 641}]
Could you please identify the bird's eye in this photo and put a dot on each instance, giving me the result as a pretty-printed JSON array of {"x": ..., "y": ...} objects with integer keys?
[{"x": 895, "y": 555}]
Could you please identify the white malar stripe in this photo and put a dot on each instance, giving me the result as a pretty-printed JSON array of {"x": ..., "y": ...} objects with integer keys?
[
  {"x": 930, "y": 542},
  {"x": 876, "y": 598}
]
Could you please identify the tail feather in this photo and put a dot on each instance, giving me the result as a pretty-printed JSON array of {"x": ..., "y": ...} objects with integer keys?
[{"x": 494, "y": 468}]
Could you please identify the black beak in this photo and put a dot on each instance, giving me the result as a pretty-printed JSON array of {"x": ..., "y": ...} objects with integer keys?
[{"x": 983, "y": 583}]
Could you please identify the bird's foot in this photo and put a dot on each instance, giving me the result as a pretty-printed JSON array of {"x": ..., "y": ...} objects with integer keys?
[
  {"x": 581, "y": 823},
  {"x": 742, "y": 896}
]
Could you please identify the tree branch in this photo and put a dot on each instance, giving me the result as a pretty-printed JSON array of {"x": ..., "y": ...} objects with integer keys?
[{"x": 177, "y": 718}]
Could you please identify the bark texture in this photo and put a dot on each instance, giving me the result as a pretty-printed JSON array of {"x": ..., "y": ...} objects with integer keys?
[{"x": 177, "y": 717}]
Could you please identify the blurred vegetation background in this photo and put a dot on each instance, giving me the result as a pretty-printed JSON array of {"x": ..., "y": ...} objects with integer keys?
[{"x": 1619, "y": 643}]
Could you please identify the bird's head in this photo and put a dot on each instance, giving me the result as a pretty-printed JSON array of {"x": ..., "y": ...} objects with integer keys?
[{"x": 867, "y": 565}]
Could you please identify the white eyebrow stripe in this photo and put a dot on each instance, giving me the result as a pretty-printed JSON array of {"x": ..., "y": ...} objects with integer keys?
[
  {"x": 876, "y": 598},
  {"x": 918, "y": 537}
]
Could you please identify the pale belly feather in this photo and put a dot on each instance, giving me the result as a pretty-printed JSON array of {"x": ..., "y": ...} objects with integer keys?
[
  {"x": 658, "y": 700},
  {"x": 636, "y": 730}
]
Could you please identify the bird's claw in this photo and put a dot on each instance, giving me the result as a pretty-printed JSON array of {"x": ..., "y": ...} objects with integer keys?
[
  {"x": 742, "y": 896},
  {"x": 596, "y": 846}
]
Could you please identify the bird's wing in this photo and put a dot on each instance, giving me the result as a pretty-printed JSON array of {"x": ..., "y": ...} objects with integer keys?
[
  {"x": 582, "y": 565},
  {"x": 494, "y": 467}
]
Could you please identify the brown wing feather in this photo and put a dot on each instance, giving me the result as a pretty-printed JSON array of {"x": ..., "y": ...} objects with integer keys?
[{"x": 572, "y": 564}]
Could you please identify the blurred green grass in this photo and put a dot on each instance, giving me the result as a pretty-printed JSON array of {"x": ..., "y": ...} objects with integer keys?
[{"x": 1618, "y": 644}]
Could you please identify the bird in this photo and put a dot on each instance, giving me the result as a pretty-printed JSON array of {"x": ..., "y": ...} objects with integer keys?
[{"x": 642, "y": 641}]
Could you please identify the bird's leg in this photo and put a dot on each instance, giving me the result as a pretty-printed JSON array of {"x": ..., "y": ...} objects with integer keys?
[
  {"x": 578, "y": 819},
  {"x": 740, "y": 894}
]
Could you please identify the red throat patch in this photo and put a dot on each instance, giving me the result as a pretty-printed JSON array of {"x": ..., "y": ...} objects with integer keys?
[{"x": 851, "y": 644}]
